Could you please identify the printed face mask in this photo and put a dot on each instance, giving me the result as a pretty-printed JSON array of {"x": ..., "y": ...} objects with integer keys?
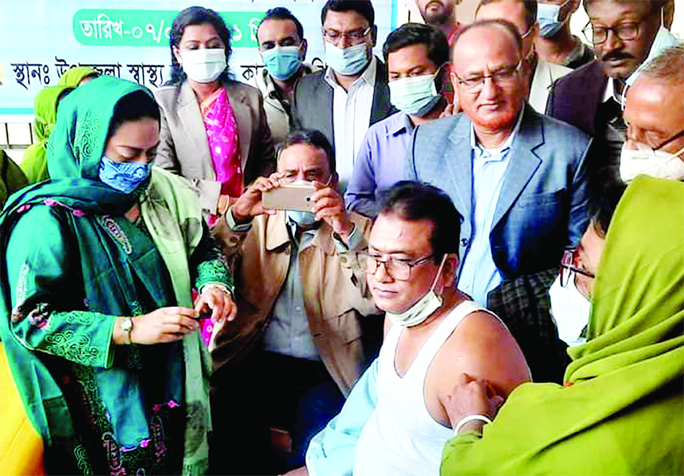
[
  {"x": 655, "y": 163},
  {"x": 204, "y": 65},
  {"x": 282, "y": 62},
  {"x": 416, "y": 96},
  {"x": 347, "y": 61},
  {"x": 123, "y": 176}
]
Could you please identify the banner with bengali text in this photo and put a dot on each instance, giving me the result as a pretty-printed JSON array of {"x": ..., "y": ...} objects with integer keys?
[{"x": 40, "y": 39}]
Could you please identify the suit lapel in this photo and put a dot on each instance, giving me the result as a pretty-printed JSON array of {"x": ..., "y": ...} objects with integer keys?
[
  {"x": 244, "y": 122},
  {"x": 459, "y": 162},
  {"x": 523, "y": 162},
  {"x": 191, "y": 117}
]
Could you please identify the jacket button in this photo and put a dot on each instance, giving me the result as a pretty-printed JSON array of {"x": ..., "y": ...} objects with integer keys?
[{"x": 464, "y": 241}]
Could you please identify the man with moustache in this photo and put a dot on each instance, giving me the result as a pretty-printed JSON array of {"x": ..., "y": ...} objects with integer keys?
[
  {"x": 516, "y": 177},
  {"x": 623, "y": 33},
  {"x": 441, "y": 14}
]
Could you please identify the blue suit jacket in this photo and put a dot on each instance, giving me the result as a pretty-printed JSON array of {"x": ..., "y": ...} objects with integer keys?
[{"x": 542, "y": 207}]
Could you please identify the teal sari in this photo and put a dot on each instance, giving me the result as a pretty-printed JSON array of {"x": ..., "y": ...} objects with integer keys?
[{"x": 75, "y": 263}]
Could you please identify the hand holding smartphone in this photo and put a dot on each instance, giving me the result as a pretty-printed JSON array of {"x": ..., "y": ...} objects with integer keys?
[{"x": 296, "y": 196}]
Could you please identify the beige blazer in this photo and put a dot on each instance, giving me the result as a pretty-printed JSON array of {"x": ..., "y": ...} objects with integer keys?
[
  {"x": 336, "y": 295},
  {"x": 544, "y": 76},
  {"x": 184, "y": 148}
]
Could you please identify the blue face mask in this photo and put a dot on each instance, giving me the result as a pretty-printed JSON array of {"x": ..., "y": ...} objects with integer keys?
[
  {"x": 416, "y": 96},
  {"x": 123, "y": 176},
  {"x": 347, "y": 61},
  {"x": 282, "y": 62},
  {"x": 547, "y": 16},
  {"x": 301, "y": 218}
]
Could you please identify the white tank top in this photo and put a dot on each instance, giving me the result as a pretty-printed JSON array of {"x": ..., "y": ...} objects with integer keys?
[{"x": 401, "y": 438}]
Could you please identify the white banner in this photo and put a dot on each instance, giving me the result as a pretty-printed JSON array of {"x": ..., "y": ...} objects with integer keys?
[{"x": 40, "y": 39}]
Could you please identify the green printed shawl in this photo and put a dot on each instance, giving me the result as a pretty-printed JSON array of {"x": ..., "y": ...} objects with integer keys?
[
  {"x": 171, "y": 212},
  {"x": 622, "y": 407}
]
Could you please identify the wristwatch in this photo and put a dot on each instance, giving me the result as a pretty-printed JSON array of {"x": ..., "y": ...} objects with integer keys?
[{"x": 127, "y": 327}]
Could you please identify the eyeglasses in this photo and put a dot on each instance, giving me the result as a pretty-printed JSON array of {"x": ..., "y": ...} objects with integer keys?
[
  {"x": 334, "y": 36},
  {"x": 599, "y": 34},
  {"x": 503, "y": 75},
  {"x": 395, "y": 268},
  {"x": 647, "y": 148},
  {"x": 567, "y": 268}
]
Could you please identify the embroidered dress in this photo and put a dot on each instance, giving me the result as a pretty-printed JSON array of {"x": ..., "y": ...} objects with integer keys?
[
  {"x": 73, "y": 264},
  {"x": 222, "y": 135}
]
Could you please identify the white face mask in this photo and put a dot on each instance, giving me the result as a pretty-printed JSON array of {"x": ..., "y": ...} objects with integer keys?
[
  {"x": 570, "y": 309},
  {"x": 663, "y": 40},
  {"x": 416, "y": 96},
  {"x": 421, "y": 310},
  {"x": 655, "y": 163},
  {"x": 204, "y": 65}
]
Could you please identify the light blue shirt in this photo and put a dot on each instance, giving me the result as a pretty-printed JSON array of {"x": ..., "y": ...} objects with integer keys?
[{"x": 479, "y": 274}]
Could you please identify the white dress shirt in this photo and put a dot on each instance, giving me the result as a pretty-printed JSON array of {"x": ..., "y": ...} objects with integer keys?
[{"x": 351, "y": 118}]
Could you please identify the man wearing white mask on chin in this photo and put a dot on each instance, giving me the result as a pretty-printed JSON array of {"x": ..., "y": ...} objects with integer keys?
[
  {"x": 295, "y": 349},
  {"x": 283, "y": 49},
  {"x": 417, "y": 57},
  {"x": 555, "y": 43},
  {"x": 654, "y": 113},
  {"x": 351, "y": 93},
  {"x": 394, "y": 421}
]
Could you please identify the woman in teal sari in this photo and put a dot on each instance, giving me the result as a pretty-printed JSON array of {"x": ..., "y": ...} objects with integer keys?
[{"x": 97, "y": 319}]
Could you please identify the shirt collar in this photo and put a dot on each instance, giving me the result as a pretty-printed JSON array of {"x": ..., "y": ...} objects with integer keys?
[
  {"x": 610, "y": 91},
  {"x": 368, "y": 75},
  {"x": 475, "y": 145},
  {"x": 401, "y": 124}
]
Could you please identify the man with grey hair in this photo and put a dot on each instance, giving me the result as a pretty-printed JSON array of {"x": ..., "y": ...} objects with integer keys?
[{"x": 654, "y": 113}]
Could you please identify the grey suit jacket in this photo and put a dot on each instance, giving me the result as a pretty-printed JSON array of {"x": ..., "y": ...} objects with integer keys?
[
  {"x": 184, "y": 148},
  {"x": 313, "y": 103},
  {"x": 542, "y": 207}
]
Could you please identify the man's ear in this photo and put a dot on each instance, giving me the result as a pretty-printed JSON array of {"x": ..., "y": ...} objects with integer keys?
[
  {"x": 574, "y": 6},
  {"x": 374, "y": 35},
  {"x": 334, "y": 180},
  {"x": 303, "y": 48},
  {"x": 450, "y": 269}
]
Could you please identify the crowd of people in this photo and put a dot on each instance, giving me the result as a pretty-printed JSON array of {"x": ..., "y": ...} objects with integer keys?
[{"x": 486, "y": 274}]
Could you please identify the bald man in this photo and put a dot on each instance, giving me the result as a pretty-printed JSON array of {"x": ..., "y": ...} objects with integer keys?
[
  {"x": 515, "y": 176},
  {"x": 654, "y": 114}
]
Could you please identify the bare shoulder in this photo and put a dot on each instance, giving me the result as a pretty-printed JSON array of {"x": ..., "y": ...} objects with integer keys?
[{"x": 484, "y": 348}]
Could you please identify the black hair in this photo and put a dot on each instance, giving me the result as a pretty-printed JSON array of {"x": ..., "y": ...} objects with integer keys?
[
  {"x": 530, "y": 7},
  {"x": 506, "y": 25},
  {"x": 282, "y": 13},
  {"x": 362, "y": 7},
  {"x": 419, "y": 34},
  {"x": 132, "y": 107},
  {"x": 196, "y": 16},
  {"x": 602, "y": 205},
  {"x": 414, "y": 201},
  {"x": 313, "y": 138}
]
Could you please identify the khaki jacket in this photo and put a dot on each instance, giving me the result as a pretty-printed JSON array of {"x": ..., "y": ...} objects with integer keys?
[
  {"x": 335, "y": 293},
  {"x": 184, "y": 148}
]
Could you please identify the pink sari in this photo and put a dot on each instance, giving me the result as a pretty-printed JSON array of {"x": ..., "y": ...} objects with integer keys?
[{"x": 224, "y": 145}]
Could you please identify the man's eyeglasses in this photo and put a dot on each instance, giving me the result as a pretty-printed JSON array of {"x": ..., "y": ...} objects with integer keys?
[
  {"x": 599, "y": 34},
  {"x": 356, "y": 36},
  {"x": 397, "y": 269},
  {"x": 476, "y": 82},
  {"x": 567, "y": 268}
]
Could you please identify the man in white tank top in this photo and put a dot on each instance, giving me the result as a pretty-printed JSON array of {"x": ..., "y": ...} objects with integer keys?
[{"x": 394, "y": 421}]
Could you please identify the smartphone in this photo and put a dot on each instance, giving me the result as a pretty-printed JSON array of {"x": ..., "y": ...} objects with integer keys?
[{"x": 289, "y": 197}]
